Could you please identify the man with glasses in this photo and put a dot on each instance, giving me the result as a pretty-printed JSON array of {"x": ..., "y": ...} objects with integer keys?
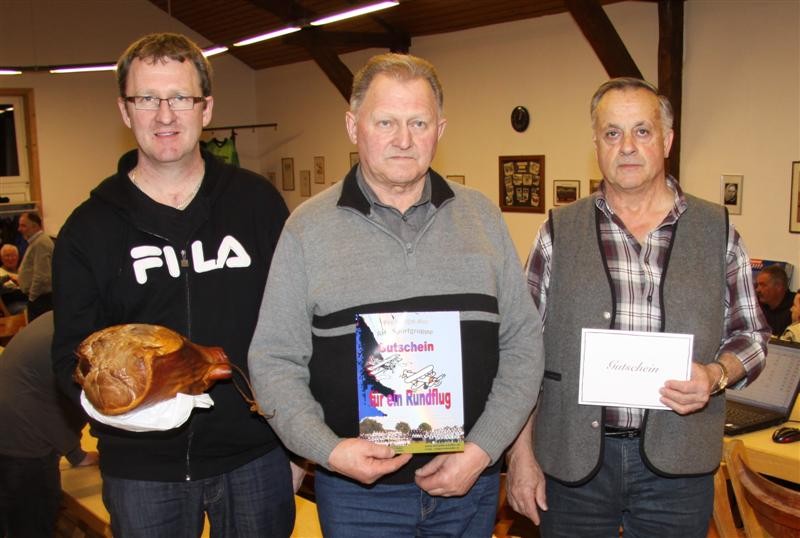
[{"x": 176, "y": 238}]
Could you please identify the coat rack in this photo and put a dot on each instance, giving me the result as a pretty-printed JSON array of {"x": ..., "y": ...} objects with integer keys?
[{"x": 234, "y": 127}]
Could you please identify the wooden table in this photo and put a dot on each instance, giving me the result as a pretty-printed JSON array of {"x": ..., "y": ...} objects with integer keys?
[{"x": 771, "y": 458}]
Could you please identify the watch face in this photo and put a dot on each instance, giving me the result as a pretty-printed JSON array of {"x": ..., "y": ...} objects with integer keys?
[{"x": 520, "y": 118}]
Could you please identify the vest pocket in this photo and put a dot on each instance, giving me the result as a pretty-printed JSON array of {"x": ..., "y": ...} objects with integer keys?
[{"x": 555, "y": 376}]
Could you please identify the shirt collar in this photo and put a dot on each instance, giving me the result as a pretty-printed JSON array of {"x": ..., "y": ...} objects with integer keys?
[
  {"x": 372, "y": 198},
  {"x": 678, "y": 206}
]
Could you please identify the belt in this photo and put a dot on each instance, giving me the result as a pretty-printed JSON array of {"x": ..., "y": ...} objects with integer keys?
[{"x": 622, "y": 433}]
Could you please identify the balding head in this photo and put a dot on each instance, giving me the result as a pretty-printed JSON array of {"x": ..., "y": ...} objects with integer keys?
[{"x": 9, "y": 254}]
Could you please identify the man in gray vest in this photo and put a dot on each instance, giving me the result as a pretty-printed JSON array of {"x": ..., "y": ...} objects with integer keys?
[{"x": 643, "y": 256}]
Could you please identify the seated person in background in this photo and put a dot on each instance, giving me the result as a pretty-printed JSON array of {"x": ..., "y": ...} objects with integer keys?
[
  {"x": 772, "y": 288},
  {"x": 39, "y": 426},
  {"x": 792, "y": 332},
  {"x": 9, "y": 256},
  {"x": 13, "y": 297}
]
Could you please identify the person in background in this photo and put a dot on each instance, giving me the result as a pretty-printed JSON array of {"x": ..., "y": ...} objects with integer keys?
[
  {"x": 792, "y": 332},
  {"x": 177, "y": 238},
  {"x": 39, "y": 426},
  {"x": 772, "y": 288},
  {"x": 590, "y": 469},
  {"x": 9, "y": 256},
  {"x": 13, "y": 298},
  {"x": 395, "y": 236},
  {"x": 35, "y": 271}
]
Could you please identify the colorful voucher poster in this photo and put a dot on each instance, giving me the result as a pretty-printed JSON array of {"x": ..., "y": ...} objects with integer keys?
[{"x": 410, "y": 390}]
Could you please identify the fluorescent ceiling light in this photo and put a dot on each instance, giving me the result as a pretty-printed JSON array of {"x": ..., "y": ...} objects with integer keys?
[
  {"x": 214, "y": 50},
  {"x": 85, "y": 68},
  {"x": 354, "y": 13},
  {"x": 269, "y": 35},
  {"x": 10, "y": 72}
]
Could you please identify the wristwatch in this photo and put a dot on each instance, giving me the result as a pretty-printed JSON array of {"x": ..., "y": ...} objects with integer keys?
[{"x": 722, "y": 382}]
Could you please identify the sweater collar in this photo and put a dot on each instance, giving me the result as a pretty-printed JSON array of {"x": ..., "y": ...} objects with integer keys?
[{"x": 353, "y": 197}]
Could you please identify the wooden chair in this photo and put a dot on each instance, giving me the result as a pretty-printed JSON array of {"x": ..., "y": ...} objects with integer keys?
[
  {"x": 10, "y": 323},
  {"x": 722, "y": 523},
  {"x": 766, "y": 508}
]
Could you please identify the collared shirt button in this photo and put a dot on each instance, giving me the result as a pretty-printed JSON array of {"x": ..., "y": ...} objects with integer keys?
[
  {"x": 606, "y": 315},
  {"x": 595, "y": 424}
]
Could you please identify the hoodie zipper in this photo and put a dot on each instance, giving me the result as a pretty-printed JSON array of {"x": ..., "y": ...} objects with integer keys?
[{"x": 184, "y": 270}]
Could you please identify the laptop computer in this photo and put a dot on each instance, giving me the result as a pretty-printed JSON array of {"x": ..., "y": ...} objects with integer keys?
[{"x": 769, "y": 399}]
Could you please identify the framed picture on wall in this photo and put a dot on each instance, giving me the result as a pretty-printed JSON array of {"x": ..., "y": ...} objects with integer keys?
[
  {"x": 794, "y": 204},
  {"x": 287, "y": 169},
  {"x": 522, "y": 183},
  {"x": 731, "y": 193},
  {"x": 594, "y": 185},
  {"x": 319, "y": 169},
  {"x": 566, "y": 191},
  {"x": 305, "y": 182}
]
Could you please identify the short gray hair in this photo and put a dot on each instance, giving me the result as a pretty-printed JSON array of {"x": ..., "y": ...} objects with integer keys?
[
  {"x": 400, "y": 66},
  {"x": 633, "y": 83}
]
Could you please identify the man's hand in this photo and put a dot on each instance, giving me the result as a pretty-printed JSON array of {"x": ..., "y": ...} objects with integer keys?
[
  {"x": 454, "y": 474},
  {"x": 525, "y": 484},
  {"x": 91, "y": 458},
  {"x": 365, "y": 461},
  {"x": 686, "y": 397},
  {"x": 298, "y": 473}
]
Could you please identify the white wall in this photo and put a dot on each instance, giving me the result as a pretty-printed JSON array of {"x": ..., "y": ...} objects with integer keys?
[
  {"x": 740, "y": 114},
  {"x": 741, "y": 102},
  {"x": 80, "y": 133},
  {"x": 740, "y": 107}
]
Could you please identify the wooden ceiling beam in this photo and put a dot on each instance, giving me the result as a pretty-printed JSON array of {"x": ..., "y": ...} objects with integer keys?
[
  {"x": 317, "y": 37},
  {"x": 288, "y": 11},
  {"x": 670, "y": 70},
  {"x": 321, "y": 45},
  {"x": 333, "y": 67},
  {"x": 603, "y": 37}
]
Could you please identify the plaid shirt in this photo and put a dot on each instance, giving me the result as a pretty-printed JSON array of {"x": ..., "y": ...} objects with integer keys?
[{"x": 636, "y": 271}]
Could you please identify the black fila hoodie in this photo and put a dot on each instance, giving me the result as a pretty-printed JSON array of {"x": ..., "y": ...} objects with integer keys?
[{"x": 123, "y": 258}]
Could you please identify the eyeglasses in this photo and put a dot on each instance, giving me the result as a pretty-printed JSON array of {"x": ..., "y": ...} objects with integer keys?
[{"x": 148, "y": 102}]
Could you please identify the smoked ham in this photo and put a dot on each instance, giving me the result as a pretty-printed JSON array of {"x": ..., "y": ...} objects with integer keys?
[{"x": 130, "y": 366}]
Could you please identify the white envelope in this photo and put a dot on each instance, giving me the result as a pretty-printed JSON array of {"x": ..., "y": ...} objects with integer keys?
[{"x": 627, "y": 368}]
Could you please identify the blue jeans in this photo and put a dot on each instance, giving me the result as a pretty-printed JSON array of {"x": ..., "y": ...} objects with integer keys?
[
  {"x": 350, "y": 510},
  {"x": 625, "y": 492},
  {"x": 255, "y": 500}
]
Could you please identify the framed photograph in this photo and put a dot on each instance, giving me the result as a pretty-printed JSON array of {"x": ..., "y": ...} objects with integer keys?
[
  {"x": 522, "y": 183},
  {"x": 731, "y": 193},
  {"x": 319, "y": 169},
  {"x": 457, "y": 179},
  {"x": 566, "y": 191},
  {"x": 594, "y": 185},
  {"x": 287, "y": 168},
  {"x": 305, "y": 182},
  {"x": 794, "y": 209},
  {"x": 353, "y": 158}
]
